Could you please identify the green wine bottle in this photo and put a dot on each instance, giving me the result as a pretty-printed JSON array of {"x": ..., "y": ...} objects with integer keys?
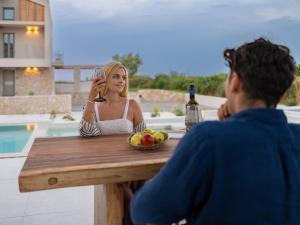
[{"x": 193, "y": 113}]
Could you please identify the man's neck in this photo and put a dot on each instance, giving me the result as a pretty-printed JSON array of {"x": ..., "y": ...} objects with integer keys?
[{"x": 249, "y": 104}]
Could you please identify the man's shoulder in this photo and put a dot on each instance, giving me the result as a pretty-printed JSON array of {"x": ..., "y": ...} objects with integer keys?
[{"x": 215, "y": 128}]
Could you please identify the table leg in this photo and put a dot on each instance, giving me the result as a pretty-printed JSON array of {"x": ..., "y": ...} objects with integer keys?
[{"x": 108, "y": 204}]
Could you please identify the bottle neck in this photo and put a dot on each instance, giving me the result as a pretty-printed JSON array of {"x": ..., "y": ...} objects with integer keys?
[{"x": 192, "y": 94}]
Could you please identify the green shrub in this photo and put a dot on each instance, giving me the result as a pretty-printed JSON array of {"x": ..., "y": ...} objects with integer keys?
[
  {"x": 298, "y": 70},
  {"x": 211, "y": 85},
  {"x": 161, "y": 81},
  {"x": 30, "y": 93},
  {"x": 68, "y": 117},
  {"x": 290, "y": 98},
  {"x": 140, "y": 81},
  {"x": 52, "y": 114},
  {"x": 220, "y": 91},
  {"x": 178, "y": 111},
  {"x": 155, "y": 111},
  {"x": 205, "y": 85}
]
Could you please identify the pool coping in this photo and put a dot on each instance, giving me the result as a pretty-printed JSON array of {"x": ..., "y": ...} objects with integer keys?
[
  {"x": 41, "y": 128},
  {"x": 13, "y": 155},
  {"x": 43, "y": 125}
]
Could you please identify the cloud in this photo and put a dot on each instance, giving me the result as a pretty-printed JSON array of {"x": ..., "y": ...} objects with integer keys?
[
  {"x": 254, "y": 2},
  {"x": 97, "y": 10},
  {"x": 167, "y": 12},
  {"x": 278, "y": 13}
]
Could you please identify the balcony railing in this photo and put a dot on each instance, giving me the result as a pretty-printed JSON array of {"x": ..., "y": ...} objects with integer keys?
[
  {"x": 24, "y": 62},
  {"x": 20, "y": 24}
]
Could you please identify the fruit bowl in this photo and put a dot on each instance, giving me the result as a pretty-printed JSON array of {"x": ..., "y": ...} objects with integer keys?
[{"x": 149, "y": 146}]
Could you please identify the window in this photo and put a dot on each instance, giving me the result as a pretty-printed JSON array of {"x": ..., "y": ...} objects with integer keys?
[
  {"x": 8, "y": 13},
  {"x": 8, "y": 83},
  {"x": 9, "y": 45}
]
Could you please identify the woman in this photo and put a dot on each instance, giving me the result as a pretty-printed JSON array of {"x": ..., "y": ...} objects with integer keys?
[{"x": 117, "y": 114}]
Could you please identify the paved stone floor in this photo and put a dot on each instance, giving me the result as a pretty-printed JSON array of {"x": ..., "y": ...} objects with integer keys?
[{"x": 66, "y": 206}]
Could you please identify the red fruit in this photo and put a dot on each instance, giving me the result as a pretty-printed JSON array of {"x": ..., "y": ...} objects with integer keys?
[{"x": 147, "y": 139}]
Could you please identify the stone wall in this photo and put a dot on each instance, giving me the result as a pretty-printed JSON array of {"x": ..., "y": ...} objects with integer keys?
[
  {"x": 141, "y": 96},
  {"x": 155, "y": 95},
  {"x": 39, "y": 104},
  {"x": 41, "y": 83},
  {"x": 79, "y": 99},
  {"x": 68, "y": 86}
]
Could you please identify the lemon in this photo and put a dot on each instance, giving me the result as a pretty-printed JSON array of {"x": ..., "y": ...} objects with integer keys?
[
  {"x": 136, "y": 139},
  {"x": 165, "y": 135},
  {"x": 159, "y": 137},
  {"x": 148, "y": 131}
]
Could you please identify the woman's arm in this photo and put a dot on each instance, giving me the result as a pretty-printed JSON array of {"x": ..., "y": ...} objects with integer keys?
[
  {"x": 138, "y": 120},
  {"x": 87, "y": 126}
]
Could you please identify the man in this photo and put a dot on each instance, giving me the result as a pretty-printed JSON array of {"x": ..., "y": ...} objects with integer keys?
[{"x": 244, "y": 170}]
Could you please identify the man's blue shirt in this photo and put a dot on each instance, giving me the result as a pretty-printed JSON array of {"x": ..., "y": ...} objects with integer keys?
[{"x": 244, "y": 171}]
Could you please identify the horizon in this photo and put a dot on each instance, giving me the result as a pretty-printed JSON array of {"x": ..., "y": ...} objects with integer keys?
[{"x": 183, "y": 36}]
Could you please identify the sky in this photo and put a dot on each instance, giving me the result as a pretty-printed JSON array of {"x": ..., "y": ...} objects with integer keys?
[{"x": 186, "y": 36}]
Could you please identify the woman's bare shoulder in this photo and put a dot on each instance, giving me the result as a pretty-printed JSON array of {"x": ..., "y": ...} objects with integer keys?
[{"x": 134, "y": 104}]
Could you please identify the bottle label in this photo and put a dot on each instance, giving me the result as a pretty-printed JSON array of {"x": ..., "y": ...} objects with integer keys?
[{"x": 192, "y": 116}]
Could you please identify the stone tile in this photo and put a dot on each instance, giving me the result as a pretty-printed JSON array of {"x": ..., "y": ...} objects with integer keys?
[
  {"x": 61, "y": 200},
  {"x": 12, "y": 202},
  {"x": 10, "y": 168},
  {"x": 60, "y": 219},
  {"x": 12, "y": 221}
]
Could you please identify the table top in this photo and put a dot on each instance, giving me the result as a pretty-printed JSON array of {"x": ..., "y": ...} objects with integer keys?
[{"x": 76, "y": 161}]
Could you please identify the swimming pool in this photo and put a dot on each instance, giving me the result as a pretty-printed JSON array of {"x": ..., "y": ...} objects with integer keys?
[
  {"x": 14, "y": 138},
  {"x": 62, "y": 131}
]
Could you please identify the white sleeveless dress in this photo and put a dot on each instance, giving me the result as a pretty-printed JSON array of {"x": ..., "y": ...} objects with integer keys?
[{"x": 117, "y": 126}]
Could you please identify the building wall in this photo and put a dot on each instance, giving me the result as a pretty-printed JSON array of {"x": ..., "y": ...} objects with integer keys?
[
  {"x": 48, "y": 31},
  {"x": 10, "y": 3},
  {"x": 40, "y": 84},
  {"x": 1, "y": 43},
  {"x": 31, "y": 11},
  {"x": 38, "y": 46},
  {"x": 26, "y": 45},
  {"x": 1, "y": 83}
]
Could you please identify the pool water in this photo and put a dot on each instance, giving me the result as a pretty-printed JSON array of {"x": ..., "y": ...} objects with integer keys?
[
  {"x": 62, "y": 132},
  {"x": 13, "y": 138}
]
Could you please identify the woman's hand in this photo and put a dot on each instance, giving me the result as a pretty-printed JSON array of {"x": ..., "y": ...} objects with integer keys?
[
  {"x": 98, "y": 84},
  {"x": 223, "y": 112}
]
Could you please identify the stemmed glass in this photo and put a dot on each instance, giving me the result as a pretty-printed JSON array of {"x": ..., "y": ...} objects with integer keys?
[{"x": 99, "y": 72}]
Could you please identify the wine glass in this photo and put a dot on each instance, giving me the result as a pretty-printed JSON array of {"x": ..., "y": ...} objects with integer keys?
[{"x": 99, "y": 71}]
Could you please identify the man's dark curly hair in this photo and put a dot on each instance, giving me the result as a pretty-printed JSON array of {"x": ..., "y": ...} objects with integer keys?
[{"x": 265, "y": 69}]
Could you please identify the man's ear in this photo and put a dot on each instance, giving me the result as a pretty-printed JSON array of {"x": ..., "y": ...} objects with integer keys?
[{"x": 234, "y": 82}]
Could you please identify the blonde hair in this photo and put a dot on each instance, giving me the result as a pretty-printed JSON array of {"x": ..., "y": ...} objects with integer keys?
[{"x": 111, "y": 68}]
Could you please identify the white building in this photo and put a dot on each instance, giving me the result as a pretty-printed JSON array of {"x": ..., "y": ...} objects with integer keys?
[{"x": 26, "y": 48}]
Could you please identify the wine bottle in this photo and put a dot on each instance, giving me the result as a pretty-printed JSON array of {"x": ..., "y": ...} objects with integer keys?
[{"x": 193, "y": 113}]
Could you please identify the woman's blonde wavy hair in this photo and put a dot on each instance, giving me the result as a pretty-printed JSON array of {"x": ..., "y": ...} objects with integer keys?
[{"x": 111, "y": 68}]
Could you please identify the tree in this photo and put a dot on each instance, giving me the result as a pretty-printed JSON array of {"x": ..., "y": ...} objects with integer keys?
[{"x": 130, "y": 61}]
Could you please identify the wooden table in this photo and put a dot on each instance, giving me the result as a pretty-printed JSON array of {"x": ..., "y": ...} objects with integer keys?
[{"x": 75, "y": 161}]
